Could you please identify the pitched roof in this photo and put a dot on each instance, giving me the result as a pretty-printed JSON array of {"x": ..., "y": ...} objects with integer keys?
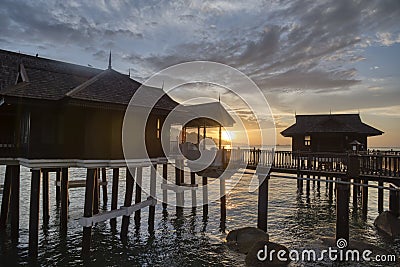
[
  {"x": 208, "y": 114},
  {"x": 56, "y": 80},
  {"x": 337, "y": 123}
]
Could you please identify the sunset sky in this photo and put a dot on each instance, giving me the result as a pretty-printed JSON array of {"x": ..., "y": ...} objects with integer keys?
[{"x": 306, "y": 56}]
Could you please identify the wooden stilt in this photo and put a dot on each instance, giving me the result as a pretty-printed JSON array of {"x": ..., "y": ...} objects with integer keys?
[
  {"x": 262, "y": 220},
  {"x": 114, "y": 194},
  {"x": 14, "y": 205},
  {"x": 342, "y": 211},
  {"x": 104, "y": 180},
  {"x": 380, "y": 197},
  {"x": 45, "y": 195},
  {"x": 138, "y": 193},
  {"x": 205, "y": 197},
  {"x": 34, "y": 214},
  {"x": 5, "y": 202},
  {"x": 193, "y": 182},
  {"x": 58, "y": 190},
  {"x": 128, "y": 202},
  {"x": 64, "y": 201},
  {"x": 152, "y": 209},
  {"x": 330, "y": 190},
  {"x": 308, "y": 186},
  {"x": 394, "y": 202},
  {"x": 88, "y": 209},
  {"x": 96, "y": 192},
  {"x": 355, "y": 195},
  {"x": 318, "y": 183},
  {"x": 365, "y": 199},
  {"x": 178, "y": 182},
  {"x": 223, "y": 198},
  {"x": 165, "y": 179}
]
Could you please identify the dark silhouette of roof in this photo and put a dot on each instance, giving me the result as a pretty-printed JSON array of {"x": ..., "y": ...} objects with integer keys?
[
  {"x": 330, "y": 123},
  {"x": 56, "y": 80}
]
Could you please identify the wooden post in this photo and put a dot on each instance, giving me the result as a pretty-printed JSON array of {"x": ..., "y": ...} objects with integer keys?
[
  {"x": 5, "y": 203},
  {"x": 178, "y": 182},
  {"x": 342, "y": 199},
  {"x": 355, "y": 194},
  {"x": 394, "y": 201},
  {"x": 205, "y": 197},
  {"x": 114, "y": 194},
  {"x": 308, "y": 186},
  {"x": 104, "y": 180},
  {"x": 330, "y": 189},
  {"x": 220, "y": 137},
  {"x": 262, "y": 220},
  {"x": 45, "y": 194},
  {"x": 14, "y": 205},
  {"x": 193, "y": 182},
  {"x": 64, "y": 201},
  {"x": 365, "y": 199},
  {"x": 96, "y": 192},
  {"x": 164, "y": 181},
  {"x": 138, "y": 192},
  {"x": 380, "y": 197},
  {"x": 318, "y": 183},
  {"x": 58, "y": 190},
  {"x": 128, "y": 202},
  {"x": 34, "y": 214},
  {"x": 223, "y": 198},
  {"x": 152, "y": 208},
  {"x": 88, "y": 209}
]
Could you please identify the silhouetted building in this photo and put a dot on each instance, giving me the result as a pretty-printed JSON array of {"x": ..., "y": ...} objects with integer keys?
[
  {"x": 329, "y": 133},
  {"x": 52, "y": 109}
]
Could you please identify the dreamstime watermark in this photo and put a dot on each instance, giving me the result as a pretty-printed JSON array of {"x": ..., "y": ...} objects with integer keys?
[
  {"x": 338, "y": 253},
  {"x": 208, "y": 94}
]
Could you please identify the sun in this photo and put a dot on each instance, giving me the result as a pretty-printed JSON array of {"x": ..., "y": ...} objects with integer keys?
[{"x": 226, "y": 136}]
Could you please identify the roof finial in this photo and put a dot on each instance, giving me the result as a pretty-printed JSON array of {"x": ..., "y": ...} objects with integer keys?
[
  {"x": 219, "y": 97},
  {"x": 330, "y": 111},
  {"x": 129, "y": 72},
  {"x": 162, "y": 86},
  {"x": 109, "y": 61},
  {"x": 295, "y": 113}
]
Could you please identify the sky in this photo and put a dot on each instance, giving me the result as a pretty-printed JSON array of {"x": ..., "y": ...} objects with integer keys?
[{"x": 307, "y": 57}]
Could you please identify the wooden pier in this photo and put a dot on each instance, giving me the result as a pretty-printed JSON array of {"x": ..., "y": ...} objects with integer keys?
[{"x": 344, "y": 170}]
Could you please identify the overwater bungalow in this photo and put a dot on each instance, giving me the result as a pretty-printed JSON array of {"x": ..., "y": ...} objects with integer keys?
[{"x": 330, "y": 133}]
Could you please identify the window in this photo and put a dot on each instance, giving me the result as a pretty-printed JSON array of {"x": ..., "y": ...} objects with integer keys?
[
  {"x": 158, "y": 128},
  {"x": 307, "y": 140}
]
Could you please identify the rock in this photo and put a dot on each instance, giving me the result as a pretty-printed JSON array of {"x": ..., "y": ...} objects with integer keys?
[
  {"x": 388, "y": 223},
  {"x": 263, "y": 250},
  {"x": 243, "y": 239}
]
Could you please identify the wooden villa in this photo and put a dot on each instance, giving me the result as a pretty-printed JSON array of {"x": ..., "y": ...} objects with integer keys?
[
  {"x": 51, "y": 109},
  {"x": 330, "y": 133}
]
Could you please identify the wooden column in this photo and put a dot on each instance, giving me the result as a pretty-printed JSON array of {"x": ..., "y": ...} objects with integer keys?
[
  {"x": 58, "y": 190},
  {"x": 164, "y": 181},
  {"x": 96, "y": 192},
  {"x": 34, "y": 214},
  {"x": 104, "y": 180},
  {"x": 262, "y": 219},
  {"x": 223, "y": 198},
  {"x": 193, "y": 182},
  {"x": 152, "y": 209},
  {"x": 365, "y": 199},
  {"x": 330, "y": 189},
  {"x": 178, "y": 182},
  {"x": 127, "y": 203},
  {"x": 355, "y": 195},
  {"x": 205, "y": 197},
  {"x": 318, "y": 183},
  {"x": 138, "y": 192},
  {"x": 5, "y": 202},
  {"x": 14, "y": 205},
  {"x": 114, "y": 194},
  {"x": 394, "y": 201},
  {"x": 45, "y": 195},
  {"x": 88, "y": 209},
  {"x": 380, "y": 197},
  {"x": 308, "y": 186},
  {"x": 64, "y": 201}
]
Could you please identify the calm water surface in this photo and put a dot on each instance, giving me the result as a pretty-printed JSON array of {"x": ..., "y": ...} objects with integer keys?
[{"x": 190, "y": 239}]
